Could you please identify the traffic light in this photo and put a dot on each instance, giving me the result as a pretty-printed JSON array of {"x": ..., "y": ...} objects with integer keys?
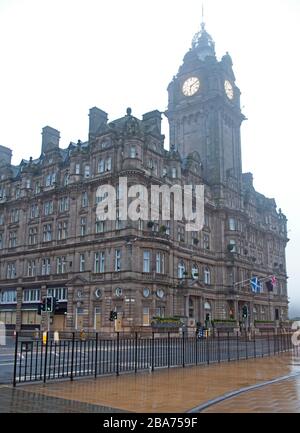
[
  {"x": 55, "y": 305},
  {"x": 40, "y": 309},
  {"x": 245, "y": 312},
  {"x": 49, "y": 304},
  {"x": 113, "y": 315}
]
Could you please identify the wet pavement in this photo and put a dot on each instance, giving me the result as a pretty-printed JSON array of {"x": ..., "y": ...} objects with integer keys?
[
  {"x": 279, "y": 397},
  {"x": 174, "y": 390}
]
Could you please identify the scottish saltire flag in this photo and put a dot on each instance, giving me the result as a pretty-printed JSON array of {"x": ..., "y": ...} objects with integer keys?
[{"x": 255, "y": 285}]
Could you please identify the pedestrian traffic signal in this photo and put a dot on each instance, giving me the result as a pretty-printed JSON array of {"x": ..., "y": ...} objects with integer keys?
[{"x": 245, "y": 312}]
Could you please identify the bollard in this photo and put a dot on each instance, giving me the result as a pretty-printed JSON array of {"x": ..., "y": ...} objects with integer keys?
[{"x": 45, "y": 338}]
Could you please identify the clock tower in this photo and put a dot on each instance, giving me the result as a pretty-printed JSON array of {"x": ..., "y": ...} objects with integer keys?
[{"x": 204, "y": 111}]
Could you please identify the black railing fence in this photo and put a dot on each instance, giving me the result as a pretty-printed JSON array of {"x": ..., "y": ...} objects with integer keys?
[{"x": 78, "y": 355}]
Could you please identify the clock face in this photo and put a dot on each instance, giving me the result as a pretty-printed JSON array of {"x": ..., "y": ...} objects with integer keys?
[
  {"x": 228, "y": 89},
  {"x": 191, "y": 86}
]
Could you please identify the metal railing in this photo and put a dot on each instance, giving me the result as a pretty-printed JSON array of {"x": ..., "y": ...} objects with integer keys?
[{"x": 72, "y": 357}]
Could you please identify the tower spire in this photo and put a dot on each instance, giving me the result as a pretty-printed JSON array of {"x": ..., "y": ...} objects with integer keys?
[{"x": 202, "y": 18}]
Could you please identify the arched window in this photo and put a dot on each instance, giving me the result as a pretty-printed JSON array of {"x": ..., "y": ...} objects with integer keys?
[
  {"x": 195, "y": 272},
  {"x": 206, "y": 275},
  {"x": 181, "y": 269}
]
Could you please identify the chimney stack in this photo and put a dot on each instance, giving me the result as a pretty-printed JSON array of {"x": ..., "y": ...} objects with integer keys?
[
  {"x": 5, "y": 156},
  {"x": 97, "y": 122},
  {"x": 152, "y": 122},
  {"x": 50, "y": 138}
]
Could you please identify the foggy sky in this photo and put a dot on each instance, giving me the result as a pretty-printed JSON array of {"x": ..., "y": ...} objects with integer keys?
[{"x": 58, "y": 58}]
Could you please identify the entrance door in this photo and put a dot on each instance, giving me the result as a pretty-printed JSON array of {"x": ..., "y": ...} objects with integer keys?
[
  {"x": 79, "y": 319},
  {"x": 97, "y": 319}
]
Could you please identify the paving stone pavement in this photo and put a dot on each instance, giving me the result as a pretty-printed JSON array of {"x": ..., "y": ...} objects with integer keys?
[
  {"x": 18, "y": 400},
  {"x": 174, "y": 390},
  {"x": 279, "y": 397}
]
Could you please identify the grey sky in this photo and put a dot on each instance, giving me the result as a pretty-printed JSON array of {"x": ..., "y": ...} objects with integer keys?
[{"x": 61, "y": 57}]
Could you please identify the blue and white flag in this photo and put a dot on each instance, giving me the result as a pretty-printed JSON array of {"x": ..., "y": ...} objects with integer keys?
[{"x": 255, "y": 285}]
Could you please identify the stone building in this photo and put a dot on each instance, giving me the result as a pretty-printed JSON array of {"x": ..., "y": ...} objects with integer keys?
[{"x": 51, "y": 242}]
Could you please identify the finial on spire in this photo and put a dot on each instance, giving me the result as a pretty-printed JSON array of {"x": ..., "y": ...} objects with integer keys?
[{"x": 202, "y": 18}]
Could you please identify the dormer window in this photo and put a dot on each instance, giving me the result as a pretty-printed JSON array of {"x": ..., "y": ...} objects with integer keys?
[{"x": 174, "y": 172}]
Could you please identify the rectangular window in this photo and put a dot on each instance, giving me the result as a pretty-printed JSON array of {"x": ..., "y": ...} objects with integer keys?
[
  {"x": 206, "y": 242},
  {"x": 132, "y": 152},
  {"x": 63, "y": 204},
  {"x": 160, "y": 312},
  {"x": 101, "y": 166},
  {"x": 1, "y": 241},
  {"x": 50, "y": 179},
  {"x": 232, "y": 224},
  {"x": 48, "y": 207},
  {"x": 167, "y": 227},
  {"x": 33, "y": 235},
  {"x": 118, "y": 221},
  {"x": 140, "y": 224},
  {"x": 46, "y": 266},
  {"x": 34, "y": 211},
  {"x": 12, "y": 239},
  {"x": 82, "y": 263},
  {"x": 100, "y": 226},
  {"x": 31, "y": 295},
  {"x": 180, "y": 233},
  {"x": 31, "y": 268},
  {"x": 174, "y": 173},
  {"x": 84, "y": 199},
  {"x": 146, "y": 316},
  {"x": 117, "y": 260},
  {"x": 232, "y": 246},
  {"x": 160, "y": 263},
  {"x": 14, "y": 216},
  {"x": 108, "y": 164},
  {"x": 146, "y": 263},
  {"x": 47, "y": 233},
  {"x": 11, "y": 270},
  {"x": 59, "y": 293},
  {"x": 1, "y": 219},
  {"x": 62, "y": 230},
  {"x": 99, "y": 262},
  {"x": 77, "y": 168},
  {"x": 82, "y": 226},
  {"x": 86, "y": 171},
  {"x": 8, "y": 296},
  {"x": 37, "y": 187},
  {"x": 61, "y": 265}
]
